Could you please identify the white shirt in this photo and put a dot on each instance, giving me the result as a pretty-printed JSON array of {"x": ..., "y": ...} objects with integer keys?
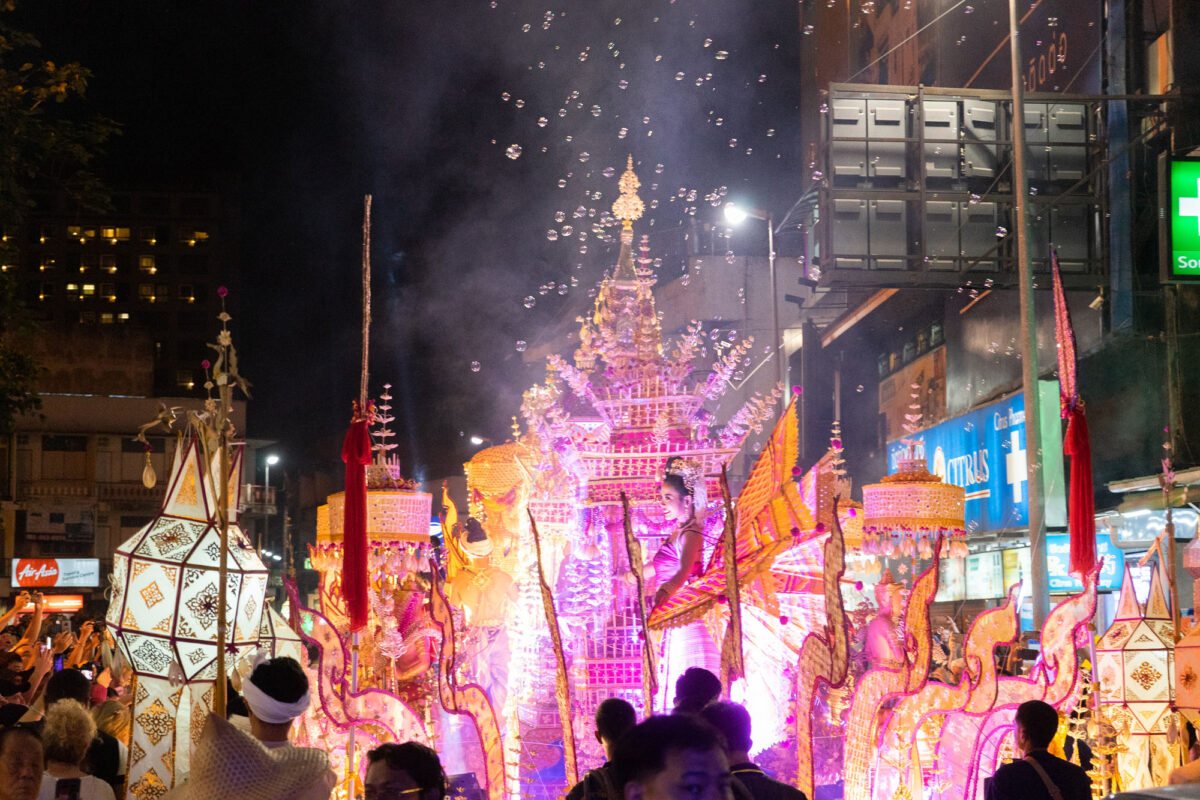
[{"x": 90, "y": 788}]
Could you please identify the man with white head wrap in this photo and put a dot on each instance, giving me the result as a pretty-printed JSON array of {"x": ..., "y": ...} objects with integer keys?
[{"x": 276, "y": 693}]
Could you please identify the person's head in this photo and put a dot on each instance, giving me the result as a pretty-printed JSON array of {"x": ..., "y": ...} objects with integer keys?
[
  {"x": 614, "y": 717},
  {"x": 696, "y": 688},
  {"x": 10, "y": 636},
  {"x": 733, "y": 722},
  {"x": 676, "y": 757},
  {"x": 409, "y": 771},
  {"x": 889, "y": 595},
  {"x": 68, "y": 732},
  {"x": 1037, "y": 722},
  {"x": 275, "y": 694},
  {"x": 678, "y": 489},
  {"x": 21, "y": 763},
  {"x": 113, "y": 718},
  {"x": 67, "y": 684}
]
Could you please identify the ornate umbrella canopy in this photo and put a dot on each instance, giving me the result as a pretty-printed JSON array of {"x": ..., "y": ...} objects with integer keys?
[
  {"x": 905, "y": 512},
  {"x": 165, "y": 577}
]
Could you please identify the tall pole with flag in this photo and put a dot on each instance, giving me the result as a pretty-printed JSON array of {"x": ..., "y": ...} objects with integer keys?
[
  {"x": 356, "y": 452},
  {"x": 1081, "y": 504}
]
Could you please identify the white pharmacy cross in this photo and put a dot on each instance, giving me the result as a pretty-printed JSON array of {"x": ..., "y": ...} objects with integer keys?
[
  {"x": 1190, "y": 206},
  {"x": 1016, "y": 464}
]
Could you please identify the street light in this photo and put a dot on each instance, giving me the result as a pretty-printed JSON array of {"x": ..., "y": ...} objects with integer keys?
[
  {"x": 736, "y": 215},
  {"x": 272, "y": 460}
]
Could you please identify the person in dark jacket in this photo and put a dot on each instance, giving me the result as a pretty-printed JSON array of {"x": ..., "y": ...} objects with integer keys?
[
  {"x": 1039, "y": 775},
  {"x": 733, "y": 722},
  {"x": 614, "y": 717},
  {"x": 672, "y": 757}
]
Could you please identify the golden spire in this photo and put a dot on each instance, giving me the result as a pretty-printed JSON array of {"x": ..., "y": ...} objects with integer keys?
[{"x": 628, "y": 206}]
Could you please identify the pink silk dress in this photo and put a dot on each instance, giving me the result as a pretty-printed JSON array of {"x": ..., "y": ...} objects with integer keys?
[{"x": 687, "y": 645}]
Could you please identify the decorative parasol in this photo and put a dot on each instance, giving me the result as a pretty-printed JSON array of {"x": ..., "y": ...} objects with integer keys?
[{"x": 905, "y": 512}]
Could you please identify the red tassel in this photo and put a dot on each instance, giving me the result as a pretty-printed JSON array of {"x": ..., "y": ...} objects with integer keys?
[
  {"x": 1081, "y": 504},
  {"x": 356, "y": 452}
]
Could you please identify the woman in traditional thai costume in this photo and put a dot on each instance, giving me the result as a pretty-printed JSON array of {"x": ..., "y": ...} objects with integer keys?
[{"x": 678, "y": 560}]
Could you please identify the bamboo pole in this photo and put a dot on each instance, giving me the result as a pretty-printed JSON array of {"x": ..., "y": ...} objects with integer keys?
[{"x": 351, "y": 755}]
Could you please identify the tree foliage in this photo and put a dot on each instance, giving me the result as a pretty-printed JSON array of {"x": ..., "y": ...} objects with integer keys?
[{"x": 47, "y": 142}]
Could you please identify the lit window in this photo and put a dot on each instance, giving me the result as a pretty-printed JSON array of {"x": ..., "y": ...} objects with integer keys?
[
  {"x": 89, "y": 289},
  {"x": 146, "y": 292},
  {"x": 75, "y": 232},
  {"x": 106, "y": 318},
  {"x": 190, "y": 236},
  {"x": 146, "y": 264},
  {"x": 123, "y": 316},
  {"x": 72, "y": 287}
]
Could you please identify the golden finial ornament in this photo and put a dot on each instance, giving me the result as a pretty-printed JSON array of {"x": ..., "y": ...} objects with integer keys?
[{"x": 628, "y": 206}]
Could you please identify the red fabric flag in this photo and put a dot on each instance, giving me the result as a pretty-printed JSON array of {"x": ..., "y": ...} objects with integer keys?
[
  {"x": 1081, "y": 504},
  {"x": 356, "y": 452},
  {"x": 1081, "y": 499}
]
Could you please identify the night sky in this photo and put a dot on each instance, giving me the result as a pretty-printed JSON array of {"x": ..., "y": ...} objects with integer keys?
[{"x": 297, "y": 109}]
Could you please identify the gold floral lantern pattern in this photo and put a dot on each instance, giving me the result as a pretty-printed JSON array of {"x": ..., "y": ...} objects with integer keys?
[
  {"x": 163, "y": 613},
  {"x": 1135, "y": 659}
]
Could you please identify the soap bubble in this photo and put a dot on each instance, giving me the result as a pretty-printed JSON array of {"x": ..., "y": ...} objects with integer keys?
[
  {"x": 521, "y": 345},
  {"x": 552, "y": 235},
  {"x": 513, "y": 151},
  {"x": 529, "y": 302},
  {"x": 475, "y": 366}
]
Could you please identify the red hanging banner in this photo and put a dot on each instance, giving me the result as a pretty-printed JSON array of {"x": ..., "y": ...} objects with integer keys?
[
  {"x": 1081, "y": 499},
  {"x": 356, "y": 452}
]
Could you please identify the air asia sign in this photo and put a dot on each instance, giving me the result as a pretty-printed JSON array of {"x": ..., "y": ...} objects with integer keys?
[
  {"x": 1182, "y": 220},
  {"x": 983, "y": 452},
  {"x": 42, "y": 573}
]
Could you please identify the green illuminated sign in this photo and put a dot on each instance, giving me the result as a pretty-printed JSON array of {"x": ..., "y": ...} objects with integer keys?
[{"x": 1183, "y": 220}]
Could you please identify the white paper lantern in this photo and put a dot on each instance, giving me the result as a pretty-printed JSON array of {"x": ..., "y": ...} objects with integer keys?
[
  {"x": 165, "y": 578},
  {"x": 1135, "y": 659}
]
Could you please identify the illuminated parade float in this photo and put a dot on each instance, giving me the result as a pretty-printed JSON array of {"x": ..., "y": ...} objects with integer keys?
[{"x": 600, "y": 554}]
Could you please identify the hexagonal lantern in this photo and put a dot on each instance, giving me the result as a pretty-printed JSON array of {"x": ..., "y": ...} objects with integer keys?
[
  {"x": 1135, "y": 659},
  {"x": 165, "y": 577}
]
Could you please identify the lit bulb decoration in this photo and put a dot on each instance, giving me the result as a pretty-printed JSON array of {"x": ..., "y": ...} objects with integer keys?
[{"x": 1135, "y": 661}]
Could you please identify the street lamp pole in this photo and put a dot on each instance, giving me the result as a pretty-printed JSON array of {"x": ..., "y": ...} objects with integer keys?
[
  {"x": 780, "y": 345},
  {"x": 1039, "y": 578},
  {"x": 735, "y": 214}
]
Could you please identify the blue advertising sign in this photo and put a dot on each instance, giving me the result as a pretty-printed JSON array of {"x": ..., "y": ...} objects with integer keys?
[
  {"x": 984, "y": 452},
  {"x": 1058, "y": 558}
]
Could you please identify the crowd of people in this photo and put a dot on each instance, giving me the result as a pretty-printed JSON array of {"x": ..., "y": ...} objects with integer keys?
[{"x": 65, "y": 730}]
